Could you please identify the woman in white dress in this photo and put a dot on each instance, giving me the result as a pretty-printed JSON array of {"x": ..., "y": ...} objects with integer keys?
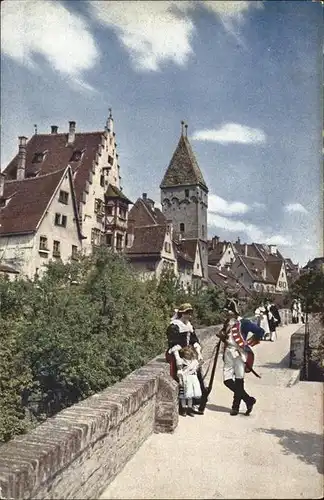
[
  {"x": 189, "y": 384},
  {"x": 262, "y": 320}
]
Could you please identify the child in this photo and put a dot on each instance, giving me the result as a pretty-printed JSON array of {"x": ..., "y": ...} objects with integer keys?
[{"x": 189, "y": 384}]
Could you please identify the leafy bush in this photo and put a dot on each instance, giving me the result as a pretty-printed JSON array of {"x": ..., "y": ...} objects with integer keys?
[{"x": 82, "y": 327}]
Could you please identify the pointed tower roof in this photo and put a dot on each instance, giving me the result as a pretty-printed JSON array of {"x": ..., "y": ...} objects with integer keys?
[{"x": 183, "y": 168}]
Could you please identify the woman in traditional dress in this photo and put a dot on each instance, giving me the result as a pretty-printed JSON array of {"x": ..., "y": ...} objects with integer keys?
[{"x": 262, "y": 320}]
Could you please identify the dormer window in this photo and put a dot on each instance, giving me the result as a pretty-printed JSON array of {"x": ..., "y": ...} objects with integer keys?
[
  {"x": 76, "y": 155},
  {"x": 39, "y": 157}
]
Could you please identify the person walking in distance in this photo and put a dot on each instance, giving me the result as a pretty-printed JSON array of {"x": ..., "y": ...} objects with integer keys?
[
  {"x": 274, "y": 319},
  {"x": 237, "y": 351},
  {"x": 262, "y": 320}
]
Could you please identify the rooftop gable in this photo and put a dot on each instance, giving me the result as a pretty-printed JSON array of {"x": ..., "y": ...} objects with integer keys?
[
  {"x": 183, "y": 169},
  {"x": 29, "y": 199}
]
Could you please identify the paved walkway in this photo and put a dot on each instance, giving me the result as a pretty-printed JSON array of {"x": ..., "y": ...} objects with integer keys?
[{"x": 275, "y": 453}]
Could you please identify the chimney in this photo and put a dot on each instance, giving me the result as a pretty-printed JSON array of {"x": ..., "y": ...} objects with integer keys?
[
  {"x": 71, "y": 136},
  {"x": 21, "y": 167},
  {"x": 110, "y": 122},
  {"x": 54, "y": 129},
  {"x": 245, "y": 249},
  {"x": 238, "y": 242},
  {"x": 215, "y": 240},
  {"x": 273, "y": 249},
  {"x": 144, "y": 196},
  {"x": 2, "y": 181}
]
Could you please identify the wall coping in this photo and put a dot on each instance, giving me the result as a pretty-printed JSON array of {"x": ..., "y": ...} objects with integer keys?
[{"x": 31, "y": 461}]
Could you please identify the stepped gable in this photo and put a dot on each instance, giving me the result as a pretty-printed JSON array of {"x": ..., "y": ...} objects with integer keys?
[
  {"x": 59, "y": 155},
  {"x": 183, "y": 168},
  {"x": 26, "y": 201}
]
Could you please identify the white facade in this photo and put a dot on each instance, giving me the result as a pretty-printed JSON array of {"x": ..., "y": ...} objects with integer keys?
[{"x": 56, "y": 236}]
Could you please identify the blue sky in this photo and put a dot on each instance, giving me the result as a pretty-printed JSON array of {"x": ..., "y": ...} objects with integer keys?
[{"x": 245, "y": 76}]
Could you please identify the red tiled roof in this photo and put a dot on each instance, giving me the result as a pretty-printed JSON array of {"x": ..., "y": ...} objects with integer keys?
[
  {"x": 183, "y": 168},
  {"x": 26, "y": 202},
  {"x": 256, "y": 268},
  {"x": 147, "y": 240},
  {"x": 189, "y": 247},
  {"x": 227, "y": 280},
  {"x": 59, "y": 155}
]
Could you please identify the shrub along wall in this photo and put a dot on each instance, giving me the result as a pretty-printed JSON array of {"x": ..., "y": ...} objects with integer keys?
[{"x": 79, "y": 451}]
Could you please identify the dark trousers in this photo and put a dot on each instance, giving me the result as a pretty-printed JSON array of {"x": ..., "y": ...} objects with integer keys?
[{"x": 237, "y": 386}]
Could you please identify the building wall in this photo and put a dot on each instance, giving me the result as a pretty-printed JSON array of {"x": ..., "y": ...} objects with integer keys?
[
  {"x": 91, "y": 220},
  {"x": 18, "y": 252},
  {"x": 24, "y": 253},
  {"x": 282, "y": 283},
  {"x": 228, "y": 257},
  {"x": 188, "y": 205}
]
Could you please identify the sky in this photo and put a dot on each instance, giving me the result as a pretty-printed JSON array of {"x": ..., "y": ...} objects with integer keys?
[{"x": 245, "y": 76}]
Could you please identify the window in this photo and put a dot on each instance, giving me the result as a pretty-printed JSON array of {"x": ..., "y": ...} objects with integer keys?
[
  {"x": 167, "y": 247},
  {"x": 187, "y": 193},
  {"x": 56, "y": 249},
  {"x": 43, "y": 243},
  {"x": 64, "y": 197},
  {"x": 98, "y": 208},
  {"x": 119, "y": 242},
  {"x": 76, "y": 156},
  {"x": 109, "y": 210},
  {"x": 122, "y": 213},
  {"x": 38, "y": 157},
  {"x": 102, "y": 180},
  {"x": 203, "y": 231},
  {"x": 110, "y": 160},
  {"x": 60, "y": 220},
  {"x": 182, "y": 227},
  {"x": 95, "y": 237},
  {"x": 74, "y": 252},
  {"x": 109, "y": 240}
]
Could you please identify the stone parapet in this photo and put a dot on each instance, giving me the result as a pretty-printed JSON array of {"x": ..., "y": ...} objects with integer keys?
[{"x": 78, "y": 452}]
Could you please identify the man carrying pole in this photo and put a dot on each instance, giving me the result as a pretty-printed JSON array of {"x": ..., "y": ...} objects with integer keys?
[{"x": 238, "y": 356}]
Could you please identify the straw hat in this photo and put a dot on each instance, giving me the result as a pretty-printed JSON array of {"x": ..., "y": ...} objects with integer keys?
[{"x": 185, "y": 308}]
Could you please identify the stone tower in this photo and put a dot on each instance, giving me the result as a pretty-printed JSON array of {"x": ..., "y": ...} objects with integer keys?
[{"x": 184, "y": 196}]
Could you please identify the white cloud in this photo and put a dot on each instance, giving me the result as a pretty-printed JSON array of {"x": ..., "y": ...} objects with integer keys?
[
  {"x": 231, "y": 133},
  {"x": 221, "y": 206},
  {"x": 232, "y": 14},
  {"x": 157, "y": 32},
  {"x": 252, "y": 231},
  {"x": 152, "y": 32},
  {"x": 295, "y": 207},
  {"x": 260, "y": 206},
  {"x": 47, "y": 28}
]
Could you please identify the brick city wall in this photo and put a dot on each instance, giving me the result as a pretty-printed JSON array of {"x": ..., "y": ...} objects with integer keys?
[{"x": 78, "y": 452}]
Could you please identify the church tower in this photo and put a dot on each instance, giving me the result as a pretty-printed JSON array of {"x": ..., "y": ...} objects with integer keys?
[{"x": 184, "y": 196}]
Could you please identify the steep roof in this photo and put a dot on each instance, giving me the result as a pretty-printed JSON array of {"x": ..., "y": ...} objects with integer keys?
[
  {"x": 26, "y": 202},
  {"x": 257, "y": 268},
  {"x": 114, "y": 192},
  {"x": 142, "y": 214},
  {"x": 59, "y": 155},
  {"x": 148, "y": 240},
  {"x": 189, "y": 247},
  {"x": 274, "y": 267},
  {"x": 227, "y": 280},
  {"x": 183, "y": 168}
]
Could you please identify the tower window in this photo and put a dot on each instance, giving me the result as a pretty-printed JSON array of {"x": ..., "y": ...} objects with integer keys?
[
  {"x": 182, "y": 227},
  {"x": 203, "y": 231},
  {"x": 187, "y": 193}
]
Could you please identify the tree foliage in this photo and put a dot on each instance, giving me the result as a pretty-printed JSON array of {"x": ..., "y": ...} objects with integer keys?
[{"x": 80, "y": 328}]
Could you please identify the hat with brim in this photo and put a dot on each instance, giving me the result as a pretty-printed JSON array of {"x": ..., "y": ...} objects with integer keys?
[
  {"x": 231, "y": 306},
  {"x": 184, "y": 308}
]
